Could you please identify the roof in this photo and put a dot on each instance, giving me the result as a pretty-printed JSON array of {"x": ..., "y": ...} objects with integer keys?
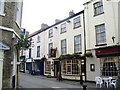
[
  {"x": 4, "y": 46},
  {"x": 41, "y": 30}
]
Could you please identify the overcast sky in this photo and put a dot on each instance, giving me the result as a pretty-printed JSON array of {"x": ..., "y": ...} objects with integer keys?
[{"x": 36, "y": 12}]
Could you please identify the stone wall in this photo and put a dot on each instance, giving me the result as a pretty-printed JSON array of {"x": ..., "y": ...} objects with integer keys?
[{"x": 9, "y": 21}]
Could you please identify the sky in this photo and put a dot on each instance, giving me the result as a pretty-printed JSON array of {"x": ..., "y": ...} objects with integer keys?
[{"x": 36, "y": 12}]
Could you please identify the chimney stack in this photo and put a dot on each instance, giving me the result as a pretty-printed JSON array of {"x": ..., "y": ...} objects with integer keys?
[
  {"x": 71, "y": 13},
  {"x": 44, "y": 26},
  {"x": 57, "y": 20}
]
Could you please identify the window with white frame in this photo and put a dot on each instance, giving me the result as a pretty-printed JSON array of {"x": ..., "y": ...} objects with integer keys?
[
  {"x": 63, "y": 47},
  {"x": 100, "y": 34},
  {"x": 38, "y": 39},
  {"x": 77, "y": 44},
  {"x": 63, "y": 28},
  {"x": 1, "y": 7},
  {"x": 77, "y": 22},
  {"x": 98, "y": 8},
  {"x": 38, "y": 51},
  {"x": 19, "y": 12},
  {"x": 70, "y": 67},
  {"x": 50, "y": 33},
  {"x": 109, "y": 66},
  {"x": 29, "y": 52},
  {"x": 50, "y": 47},
  {"x": 47, "y": 67}
]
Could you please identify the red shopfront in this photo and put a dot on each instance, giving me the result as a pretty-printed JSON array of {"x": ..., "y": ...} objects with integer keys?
[{"x": 109, "y": 60}]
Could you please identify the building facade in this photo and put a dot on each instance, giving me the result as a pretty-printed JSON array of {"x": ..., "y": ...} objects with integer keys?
[
  {"x": 10, "y": 22},
  {"x": 102, "y": 38},
  {"x": 84, "y": 45}
]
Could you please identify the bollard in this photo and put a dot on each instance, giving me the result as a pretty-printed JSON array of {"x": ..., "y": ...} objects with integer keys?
[{"x": 84, "y": 87}]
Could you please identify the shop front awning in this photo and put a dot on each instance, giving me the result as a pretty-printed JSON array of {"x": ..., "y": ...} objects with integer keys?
[{"x": 108, "y": 51}]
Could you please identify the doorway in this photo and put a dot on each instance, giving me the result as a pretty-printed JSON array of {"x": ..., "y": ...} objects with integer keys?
[{"x": 56, "y": 68}]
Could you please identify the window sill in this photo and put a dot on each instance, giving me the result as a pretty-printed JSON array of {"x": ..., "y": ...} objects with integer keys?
[
  {"x": 101, "y": 44},
  {"x": 2, "y": 14},
  {"x": 63, "y": 32},
  {"x": 50, "y": 37},
  {"x": 98, "y": 14},
  {"x": 77, "y": 27}
]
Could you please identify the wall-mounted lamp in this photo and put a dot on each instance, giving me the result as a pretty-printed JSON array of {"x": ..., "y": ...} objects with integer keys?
[
  {"x": 68, "y": 21},
  {"x": 55, "y": 27},
  {"x": 113, "y": 38}
]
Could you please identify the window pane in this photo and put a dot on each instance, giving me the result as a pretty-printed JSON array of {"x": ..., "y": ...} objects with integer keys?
[
  {"x": 98, "y": 8},
  {"x": 100, "y": 34},
  {"x": 77, "y": 43},
  {"x": 76, "y": 22}
]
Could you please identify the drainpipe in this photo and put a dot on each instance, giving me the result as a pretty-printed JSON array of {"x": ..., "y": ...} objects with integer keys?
[{"x": 84, "y": 44}]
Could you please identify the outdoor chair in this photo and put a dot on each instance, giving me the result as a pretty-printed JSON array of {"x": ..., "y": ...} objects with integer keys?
[
  {"x": 99, "y": 82},
  {"x": 113, "y": 83}
]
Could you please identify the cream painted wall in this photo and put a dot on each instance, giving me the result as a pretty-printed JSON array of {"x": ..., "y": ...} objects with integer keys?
[
  {"x": 92, "y": 60},
  {"x": 110, "y": 19},
  {"x": 68, "y": 35},
  {"x": 119, "y": 22},
  {"x": 1, "y": 67}
]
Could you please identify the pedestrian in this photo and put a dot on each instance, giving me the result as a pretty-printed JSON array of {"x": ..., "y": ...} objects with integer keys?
[{"x": 59, "y": 76}]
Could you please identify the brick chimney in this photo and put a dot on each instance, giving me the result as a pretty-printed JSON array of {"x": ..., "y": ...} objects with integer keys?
[
  {"x": 57, "y": 20},
  {"x": 71, "y": 13},
  {"x": 44, "y": 26}
]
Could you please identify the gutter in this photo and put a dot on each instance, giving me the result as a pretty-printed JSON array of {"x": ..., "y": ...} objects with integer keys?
[{"x": 10, "y": 30}]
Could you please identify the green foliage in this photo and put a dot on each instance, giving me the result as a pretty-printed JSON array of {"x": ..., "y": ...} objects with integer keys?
[
  {"x": 70, "y": 56},
  {"x": 23, "y": 43},
  {"x": 88, "y": 54}
]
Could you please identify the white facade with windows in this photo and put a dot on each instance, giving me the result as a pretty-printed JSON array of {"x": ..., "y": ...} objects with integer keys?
[
  {"x": 66, "y": 37},
  {"x": 94, "y": 31},
  {"x": 102, "y": 38}
]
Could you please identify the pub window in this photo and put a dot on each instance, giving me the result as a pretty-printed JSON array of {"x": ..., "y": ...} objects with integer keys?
[
  {"x": 47, "y": 67},
  {"x": 70, "y": 67},
  {"x": 109, "y": 66}
]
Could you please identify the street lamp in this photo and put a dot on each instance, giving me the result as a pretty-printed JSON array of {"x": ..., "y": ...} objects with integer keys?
[{"x": 82, "y": 72}]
